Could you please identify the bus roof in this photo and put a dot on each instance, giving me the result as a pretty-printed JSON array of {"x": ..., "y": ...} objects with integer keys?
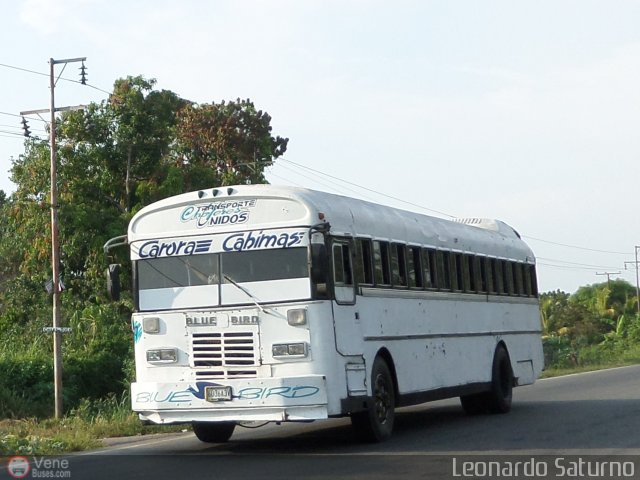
[{"x": 256, "y": 207}]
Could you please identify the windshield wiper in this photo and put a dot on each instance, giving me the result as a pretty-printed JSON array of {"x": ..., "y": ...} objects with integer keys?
[{"x": 245, "y": 291}]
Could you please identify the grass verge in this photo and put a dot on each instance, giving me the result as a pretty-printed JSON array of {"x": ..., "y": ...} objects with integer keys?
[
  {"x": 82, "y": 429},
  {"x": 559, "y": 372}
]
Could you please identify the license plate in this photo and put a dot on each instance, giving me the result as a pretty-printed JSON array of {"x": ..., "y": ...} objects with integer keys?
[{"x": 217, "y": 394}]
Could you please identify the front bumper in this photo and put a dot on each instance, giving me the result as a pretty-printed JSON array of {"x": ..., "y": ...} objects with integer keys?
[{"x": 253, "y": 399}]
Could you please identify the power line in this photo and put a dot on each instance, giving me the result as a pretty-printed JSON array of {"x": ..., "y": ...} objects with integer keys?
[
  {"x": 79, "y": 82},
  {"x": 576, "y": 263},
  {"x": 11, "y": 114},
  {"x": 446, "y": 214},
  {"x": 569, "y": 267},
  {"x": 11, "y": 136},
  {"x": 369, "y": 189},
  {"x": 315, "y": 180},
  {"x": 23, "y": 69},
  {"x": 576, "y": 246},
  {"x": 12, "y": 133},
  {"x": 15, "y": 126},
  {"x": 20, "y": 116},
  {"x": 285, "y": 179},
  {"x": 566, "y": 267}
]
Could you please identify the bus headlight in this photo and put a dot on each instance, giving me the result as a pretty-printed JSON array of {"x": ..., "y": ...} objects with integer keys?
[
  {"x": 162, "y": 355},
  {"x": 289, "y": 350},
  {"x": 151, "y": 325},
  {"x": 297, "y": 317}
]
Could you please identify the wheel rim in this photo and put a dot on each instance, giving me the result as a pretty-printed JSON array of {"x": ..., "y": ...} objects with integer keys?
[{"x": 383, "y": 402}]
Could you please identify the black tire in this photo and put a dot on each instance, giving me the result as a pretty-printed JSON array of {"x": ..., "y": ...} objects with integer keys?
[
  {"x": 498, "y": 399},
  {"x": 501, "y": 394},
  {"x": 376, "y": 423},
  {"x": 213, "y": 432}
]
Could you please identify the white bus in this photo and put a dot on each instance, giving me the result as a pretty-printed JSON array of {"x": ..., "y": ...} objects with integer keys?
[{"x": 277, "y": 304}]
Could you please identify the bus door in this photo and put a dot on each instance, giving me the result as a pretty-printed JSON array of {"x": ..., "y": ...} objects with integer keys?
[{"x": 346, "y": 319}]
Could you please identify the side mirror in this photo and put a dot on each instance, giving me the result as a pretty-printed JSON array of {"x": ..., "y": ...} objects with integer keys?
[
  {"x": 113, "y": 281},
  {"x": 319, "y": 263}
]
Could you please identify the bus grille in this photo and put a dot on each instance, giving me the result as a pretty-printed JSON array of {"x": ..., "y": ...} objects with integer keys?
[{"x": 225, "y": 354}]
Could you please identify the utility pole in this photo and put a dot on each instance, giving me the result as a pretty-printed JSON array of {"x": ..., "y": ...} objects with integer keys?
[
  {"x": 608, "y": 274},
  {"x": 635, "y": 264},
  {"x": 55, "y": 246}
]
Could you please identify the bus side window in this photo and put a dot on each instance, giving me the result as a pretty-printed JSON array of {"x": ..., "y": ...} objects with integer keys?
[
  {"x": 398, "y": 266},
  {"x": 381, "y": 263},
  {"x": 414, "y": 268},
  {"x": 480, "y": 276},
  {"x": 488, "y": 271},
  {"x": 467, "y": 274},
  {"x": 507, "y": 276},
  {"x": 456, "y": 271},
  {"x": 342, "y": 274},
  {"x": 444, "y": 271},
  {"x": 363, "y": 267},
  {"x": 430, "y": 268},
  {"x": 534, "y": 280},
  {"x": 497, "y": 276},
  {"x": 518, "y": 267}
]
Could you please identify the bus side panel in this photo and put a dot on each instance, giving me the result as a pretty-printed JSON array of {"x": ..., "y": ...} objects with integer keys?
[{"x": 444, "y": 343}]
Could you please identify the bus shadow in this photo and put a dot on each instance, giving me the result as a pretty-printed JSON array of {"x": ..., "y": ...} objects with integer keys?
[{"x": 541, "y": 425}]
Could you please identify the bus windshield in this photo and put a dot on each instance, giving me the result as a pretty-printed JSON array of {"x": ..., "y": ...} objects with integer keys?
[{"x": 194, "y": 281}]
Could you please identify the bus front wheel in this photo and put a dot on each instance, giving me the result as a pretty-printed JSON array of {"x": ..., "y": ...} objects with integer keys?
[
  {"x": 375, "y": 424},
  {"x": 213, "y": 432}
]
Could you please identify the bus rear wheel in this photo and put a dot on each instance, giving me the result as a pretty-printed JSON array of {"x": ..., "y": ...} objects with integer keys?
[
  {"x": 213, "y": 432},
  {"x": 498, "y": 399},
  {"x": 501, "y": 394},
  {"x": 375, "y": 424}
]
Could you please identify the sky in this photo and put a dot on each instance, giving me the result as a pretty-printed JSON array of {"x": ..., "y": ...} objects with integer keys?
[{"x": 524, "y": 111}]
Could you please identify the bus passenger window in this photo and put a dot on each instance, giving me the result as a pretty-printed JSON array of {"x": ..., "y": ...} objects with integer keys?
[
  {"x": 363, "y": 268},
  {"x": 517, "y": 267},
  {"x": 398, "y": 266},
  {"x": 534, "y": 280},
  {"x": 444, "y": 271},
  {"x": 414, "y": 268},
  {"x": 496, "y": 268},
  {"x": 488, "y": 276},
  {"x": 430, "y": 268},
  {"x": 342, "y": 274},
  {"x": 507, "y": 276},
  {"x": 456, "y": 271},
  {"x": 479, "y": 275},
  {"x": 467, "y": 273},
  {"x": 381, "y": 263},
  {"x": 528, "y": 290}
]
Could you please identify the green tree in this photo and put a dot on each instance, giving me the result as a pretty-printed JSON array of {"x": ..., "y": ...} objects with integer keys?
[
  {"x": 226, "y": 143},
  {"x": 114, "y": 157},
  {"x": 607, "y": 302}
]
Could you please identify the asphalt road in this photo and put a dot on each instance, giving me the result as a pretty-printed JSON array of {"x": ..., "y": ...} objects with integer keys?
[{"x": 570, "y": 417}]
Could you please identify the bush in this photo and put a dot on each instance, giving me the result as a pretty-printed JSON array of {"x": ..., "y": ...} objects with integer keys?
[
  {"x": 26, "y": 386},
  {"x": 559, "y": 352}
]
